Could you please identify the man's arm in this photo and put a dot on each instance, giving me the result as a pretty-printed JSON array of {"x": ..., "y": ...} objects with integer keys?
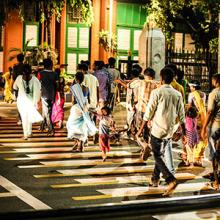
[
  {"x": 211, "y": 106},
  {"x": 181, "y": 116}
]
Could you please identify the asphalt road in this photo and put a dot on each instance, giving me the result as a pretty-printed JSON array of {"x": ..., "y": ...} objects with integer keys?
[{"x": 44, "y": 173}]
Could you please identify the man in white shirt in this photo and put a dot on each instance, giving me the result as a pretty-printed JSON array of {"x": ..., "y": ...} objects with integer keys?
[
  {"x": 92, "y": 83},
  {"x": 164, "y": 107}
]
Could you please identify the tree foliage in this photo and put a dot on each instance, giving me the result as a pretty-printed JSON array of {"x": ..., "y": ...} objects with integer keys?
[
  {"x": 200, "y": 17},
  {"x": 46, "y": 9}
]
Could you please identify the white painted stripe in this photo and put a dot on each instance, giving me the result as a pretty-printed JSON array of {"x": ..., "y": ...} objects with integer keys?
[
  {"x": 78, "y": 155},
  {"x": 179, "y": 198},
  {"x": 28, "y": 143},
  {"x": 53, "y": 156},
  {"x": 131, "y": 191},
  {"x": 82, "y": 163},
  {"x": 131, "y": 178},
  {"x": 6, "y": 194},
  {"x": 104, "y": 170},
  {"x": 54, "y": 149},
  {"x": 23, "y": 195}
]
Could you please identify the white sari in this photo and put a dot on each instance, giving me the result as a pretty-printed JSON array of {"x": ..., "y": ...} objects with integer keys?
[
  {"x": 79, "y": 124},
  {"x": 27, "y": 103}
]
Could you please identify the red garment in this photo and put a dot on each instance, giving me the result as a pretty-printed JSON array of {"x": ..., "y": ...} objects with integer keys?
[{"x": 104, "y": 142}]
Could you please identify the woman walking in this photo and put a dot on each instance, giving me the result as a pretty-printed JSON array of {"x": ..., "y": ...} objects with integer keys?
[
  {"x": 57, "y": 109},
  {"x": 79, "y": 124},
  {"x": 28, "y": 88}
]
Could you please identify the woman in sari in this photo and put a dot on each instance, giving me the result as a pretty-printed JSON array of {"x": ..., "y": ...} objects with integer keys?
[
  {"x": 79, "y": 124},
  {"x": 197, "y": 99},
  {"x": 28, "y": 88},
  {"x": 57, "y": 109},
  {"x": 8, "y": 96}
]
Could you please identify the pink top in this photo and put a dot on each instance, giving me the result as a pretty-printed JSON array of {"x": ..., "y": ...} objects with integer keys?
[{"x": 191, "y": 124}]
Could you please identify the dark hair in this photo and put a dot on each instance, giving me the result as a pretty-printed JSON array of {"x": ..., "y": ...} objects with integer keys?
[
  {"x": 111, "y": 61},
  {"x": 216, "y": 77},
  {"x": 86, "y": 62},
  {"x": 83, "y": 66},
  {"x": 191, "y": 112},
  {"x": 173, "y": 67},
  {"x": 149, "y": 72},
  {"x": 57, "y": 71},
  {"x": 107, "y": 109},
  {"x": 27, "y": 71},
  {"x": 80, "y": 77},
  {"x": 138, "y": 67},
  {"x": 99, "y": 64},
  {"x": 180, "y": 74},
  {"x": 48, "y": 63},
  {"x": 196, "y": 84},
  {"x": 135, "y": 72},
  {"x": 167, "y": 75},
  {"x": 20, "y": 57}
]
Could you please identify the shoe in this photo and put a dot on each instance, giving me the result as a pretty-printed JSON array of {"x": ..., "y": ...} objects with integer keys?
[
  {"x": 154, "y": 183},
  {"x": 215, "y": 185},
  {"x": 25, "y": 138},
  {"x": 19, "y": 122},
  {"x": 75, "y": 147},
  {"x": 171, "y": 186},
  {"x": 197, "y": 164},
  {"x": 51, "y": 133},
  {"x": 30, "y": 135}
]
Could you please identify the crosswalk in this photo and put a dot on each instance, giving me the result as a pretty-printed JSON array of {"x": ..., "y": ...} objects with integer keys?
[{"x": 124, "y": 176}]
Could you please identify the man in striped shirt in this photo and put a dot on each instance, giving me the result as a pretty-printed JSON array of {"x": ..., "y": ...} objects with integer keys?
[{"x": 145, "y": 88}]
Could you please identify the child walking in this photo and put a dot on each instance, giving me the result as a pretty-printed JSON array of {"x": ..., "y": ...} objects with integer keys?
[
  {"x": 106, "y": 124},
  {"x": 192, "y": 134}
]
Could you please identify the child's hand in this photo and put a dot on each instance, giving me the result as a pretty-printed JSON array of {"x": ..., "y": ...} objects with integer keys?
[{"x": 184, "y": 139}]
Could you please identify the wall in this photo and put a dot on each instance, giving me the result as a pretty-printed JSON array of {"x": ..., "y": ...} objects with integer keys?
[{"x": 13, "y": 37}]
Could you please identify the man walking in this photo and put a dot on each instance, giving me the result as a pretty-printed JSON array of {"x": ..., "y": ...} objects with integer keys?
[
  {"x": 48, "y": 80},
  {"x": 165, "y": 105}
]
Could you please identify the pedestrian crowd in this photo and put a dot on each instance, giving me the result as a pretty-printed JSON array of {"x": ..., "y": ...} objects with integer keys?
[{"x": 159, "y": 112}]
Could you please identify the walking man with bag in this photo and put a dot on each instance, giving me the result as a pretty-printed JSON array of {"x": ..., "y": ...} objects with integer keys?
[{"x": 165, "y": 105}]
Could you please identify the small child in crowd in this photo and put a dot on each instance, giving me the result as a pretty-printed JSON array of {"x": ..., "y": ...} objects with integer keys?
[
  {"x": 106, "y": 124},
  {"x": 192, "y": 134}
]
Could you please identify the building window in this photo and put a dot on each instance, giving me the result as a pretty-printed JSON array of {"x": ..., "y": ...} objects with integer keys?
[
  {"x": 74, "y": 15},
  {"x": 31, "y": 12}
]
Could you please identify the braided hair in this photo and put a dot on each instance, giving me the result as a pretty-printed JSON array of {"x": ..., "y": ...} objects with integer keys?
[{"x": 27, "y": 72}]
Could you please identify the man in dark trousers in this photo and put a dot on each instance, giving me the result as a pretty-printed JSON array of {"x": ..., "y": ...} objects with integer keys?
[
  {"x": 48, "y": 79},
  {"x": 164, "y": 107}
]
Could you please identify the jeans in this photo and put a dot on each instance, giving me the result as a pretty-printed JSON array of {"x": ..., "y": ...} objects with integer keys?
[
  {"x": 159, "y": 147},
  {"x": 47, "y": 105},
  {"x": 169, "y": 157},
  {"x": 211, "y": 143}
]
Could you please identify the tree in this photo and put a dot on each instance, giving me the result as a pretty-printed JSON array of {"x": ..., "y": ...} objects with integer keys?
[
  {"x": 200, "y": 18},
  {"x": 46, "y": 9}
]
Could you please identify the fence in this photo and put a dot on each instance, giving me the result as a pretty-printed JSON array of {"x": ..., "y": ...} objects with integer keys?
[{"x": 197, "y": 65}]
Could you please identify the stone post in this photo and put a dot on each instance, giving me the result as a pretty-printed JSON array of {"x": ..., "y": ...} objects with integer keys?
[{"x": 152, "y": 49}]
